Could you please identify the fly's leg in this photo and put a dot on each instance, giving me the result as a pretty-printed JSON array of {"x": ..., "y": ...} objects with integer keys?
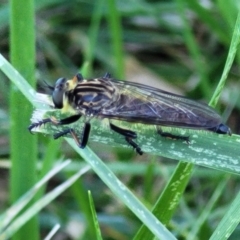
[
  {"x": 172, "y": 136},
  {"x": 54, "y": 121},
  {"x": 40, "y": 123},
  {"x": 134, "y": 145},
  {"x": 129, "y": 135},
  {"x": 68, "y": 120},
  {"x": 84, "y": 136}
]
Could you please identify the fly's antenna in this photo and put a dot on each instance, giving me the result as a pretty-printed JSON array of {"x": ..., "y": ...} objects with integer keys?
[{"x": 49, "y": 87}]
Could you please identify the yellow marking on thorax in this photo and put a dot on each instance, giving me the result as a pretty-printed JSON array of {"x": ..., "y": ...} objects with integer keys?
[
  {"x": 72, "y": 83},
  {"x": 67, "y": 108}
]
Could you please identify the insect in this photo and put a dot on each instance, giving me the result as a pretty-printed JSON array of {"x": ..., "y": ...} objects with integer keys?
[{"x": 106, "y": 97}]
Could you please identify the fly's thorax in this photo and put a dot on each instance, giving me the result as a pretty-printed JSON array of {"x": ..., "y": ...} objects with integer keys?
[
  {"x": 68, "y": 106},
  {"x": 91, "y": 96}
]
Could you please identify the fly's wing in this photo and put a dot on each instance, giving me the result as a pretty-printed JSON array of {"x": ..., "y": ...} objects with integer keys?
[{"x": 145, "y": 104}]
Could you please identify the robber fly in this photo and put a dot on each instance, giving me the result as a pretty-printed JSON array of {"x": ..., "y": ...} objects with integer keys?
[{"x": 106, "y": 97}]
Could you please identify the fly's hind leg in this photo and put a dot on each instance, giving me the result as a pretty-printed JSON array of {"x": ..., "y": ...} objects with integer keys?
[
  {"x": 134, "y": 145},
  {"x": 172, "y": 136},
  {"x": 129, "y": 135},
  {"x": 82, "y": 142}
]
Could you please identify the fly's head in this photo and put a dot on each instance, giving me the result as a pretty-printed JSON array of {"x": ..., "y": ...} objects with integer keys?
[{"x": 61, "y": 89}]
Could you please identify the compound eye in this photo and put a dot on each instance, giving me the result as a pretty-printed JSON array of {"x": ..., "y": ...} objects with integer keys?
[{"x": 58, "y": 92}]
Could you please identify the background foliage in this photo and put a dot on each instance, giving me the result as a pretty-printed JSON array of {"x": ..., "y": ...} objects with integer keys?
[{"x": 181, "y": 46}]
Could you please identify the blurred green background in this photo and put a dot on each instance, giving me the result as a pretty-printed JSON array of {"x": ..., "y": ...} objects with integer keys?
[{"x": 180, "y": 46}]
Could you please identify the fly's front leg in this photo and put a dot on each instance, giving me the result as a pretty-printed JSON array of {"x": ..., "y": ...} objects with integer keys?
[
  {"x": 172, "y": 136},
  {"x": 54, "y": 121},
  {"x": 129, "y": 135},
  {"x": 84, "y": 136}
]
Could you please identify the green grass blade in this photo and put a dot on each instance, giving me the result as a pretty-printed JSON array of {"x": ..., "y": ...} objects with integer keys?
[
  {"x": 207, "y": 210},
  {"x": 52, "y": 232},
  {"x": 207, "y": 149},
  {"x": 48, "y": 161},
  {"x": 40, "y": 204},
  {"x": 205, "y": 15},
  {"x": 114, "y": 21},
  {"x": 23, "y": 148},
  {"x": 122, "y": 192},
  {"x": 228, "y": 11},
  {"x": 171, "y": 195},
  {"x": 230, "y": 58},
  {"x": 194, "y": 51},
  {"x": 167, "y": 203},
  {"x": 93, "y": 36},
  {"x": 229, "y": 222},
  {"x": 18, "y": 81},
  {"x": 80, "y": 196},
  {"x": 12, "y": 212},
  {"x": 98, "y": 235}
]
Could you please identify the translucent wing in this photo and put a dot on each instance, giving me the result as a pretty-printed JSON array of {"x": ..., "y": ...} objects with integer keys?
[{"x": 145, "y": 104}]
